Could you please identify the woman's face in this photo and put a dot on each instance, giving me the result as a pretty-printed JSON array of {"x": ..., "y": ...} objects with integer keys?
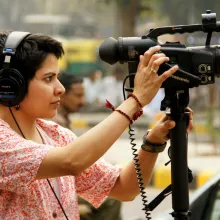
[{"x": 44, "y": 91}]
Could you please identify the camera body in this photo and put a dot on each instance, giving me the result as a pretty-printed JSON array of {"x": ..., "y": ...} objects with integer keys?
[{"x": 197, "y": 65}]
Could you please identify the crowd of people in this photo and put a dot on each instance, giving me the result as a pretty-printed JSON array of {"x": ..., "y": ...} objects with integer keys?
[{"x": 99, "y": 87}]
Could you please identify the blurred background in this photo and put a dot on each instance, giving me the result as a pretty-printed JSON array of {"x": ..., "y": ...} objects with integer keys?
[{"x": 82, "y": 25}]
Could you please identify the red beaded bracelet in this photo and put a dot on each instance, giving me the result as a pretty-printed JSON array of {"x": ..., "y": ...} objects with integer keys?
[
  {"x": 135, "y": 117},
  {"x": 109, "y": 105},
  {"x": 121, "y": 112},
  {"x": 135, "y": 97},
  {"x": 137, "y": 114}
]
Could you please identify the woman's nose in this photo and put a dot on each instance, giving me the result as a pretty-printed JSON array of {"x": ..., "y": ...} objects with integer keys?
[{"x": 60, "y": 90}]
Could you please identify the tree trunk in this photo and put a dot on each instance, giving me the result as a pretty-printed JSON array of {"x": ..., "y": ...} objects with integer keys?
[{"x": 127, "y": 17}]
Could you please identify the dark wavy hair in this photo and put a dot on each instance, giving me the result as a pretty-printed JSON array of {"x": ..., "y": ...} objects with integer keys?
[{"x": 31, "y": 53}]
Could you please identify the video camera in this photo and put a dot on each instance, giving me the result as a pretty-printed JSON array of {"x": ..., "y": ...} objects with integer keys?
[{"x": 197, "y": 65}]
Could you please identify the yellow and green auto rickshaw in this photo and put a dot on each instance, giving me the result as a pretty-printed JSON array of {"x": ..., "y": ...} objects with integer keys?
[{"x": 81, "y": 56}]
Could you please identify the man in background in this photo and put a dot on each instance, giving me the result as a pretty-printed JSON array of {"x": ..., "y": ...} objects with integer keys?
[{"x": 72, "y": 101}]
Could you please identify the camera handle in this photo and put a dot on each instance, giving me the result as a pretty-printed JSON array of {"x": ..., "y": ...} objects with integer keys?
[
  {"x": 209, "y": 25},
  {"x": 177, "y": 101}
]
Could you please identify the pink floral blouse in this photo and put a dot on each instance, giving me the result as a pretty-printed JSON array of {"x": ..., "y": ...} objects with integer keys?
[{"x": 24, "y": 198}]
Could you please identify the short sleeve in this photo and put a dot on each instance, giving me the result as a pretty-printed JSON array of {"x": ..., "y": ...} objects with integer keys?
[
  {"x": 96, "y": 182},
  {"x": 19, "y": 160}
]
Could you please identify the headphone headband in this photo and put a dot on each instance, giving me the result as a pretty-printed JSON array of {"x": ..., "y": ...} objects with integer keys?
[
  {"x": 14, "y": 39},
  {"x": 11, "y": 44},
  {"x": 12, "y": 83}
]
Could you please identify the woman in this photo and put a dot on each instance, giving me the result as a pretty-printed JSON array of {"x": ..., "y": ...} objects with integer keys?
[{"x": 43, "y": 165}]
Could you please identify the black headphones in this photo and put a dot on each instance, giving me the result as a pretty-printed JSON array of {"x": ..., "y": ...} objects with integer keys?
[{"x": 12, "y": 83}]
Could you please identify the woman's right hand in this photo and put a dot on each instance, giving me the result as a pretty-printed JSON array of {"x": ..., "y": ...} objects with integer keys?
[{"x": 147, "y": 82}]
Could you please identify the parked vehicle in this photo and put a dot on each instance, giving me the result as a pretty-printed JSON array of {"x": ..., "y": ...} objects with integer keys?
[{"x": 81, "y": 56}]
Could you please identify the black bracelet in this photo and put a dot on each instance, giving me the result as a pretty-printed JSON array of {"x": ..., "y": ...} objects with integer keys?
[{"x": 152, "y": 147}]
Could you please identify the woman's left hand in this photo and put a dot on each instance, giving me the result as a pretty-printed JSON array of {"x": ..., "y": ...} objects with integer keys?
[{"x": 159, "y": 133}]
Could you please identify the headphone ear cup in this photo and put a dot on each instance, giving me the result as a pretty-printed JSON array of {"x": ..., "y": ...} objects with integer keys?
[{"x": 12, "y": 87}]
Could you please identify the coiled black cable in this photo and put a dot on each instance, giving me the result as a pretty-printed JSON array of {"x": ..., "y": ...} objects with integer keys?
[{"x": 136, "y": 160}]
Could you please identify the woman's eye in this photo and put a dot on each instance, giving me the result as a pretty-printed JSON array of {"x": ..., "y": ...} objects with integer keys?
[{"x": 48, "y": 79}]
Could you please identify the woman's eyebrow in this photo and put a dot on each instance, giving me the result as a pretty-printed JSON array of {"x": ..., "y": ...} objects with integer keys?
[{"x": 50, "y": 73}]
